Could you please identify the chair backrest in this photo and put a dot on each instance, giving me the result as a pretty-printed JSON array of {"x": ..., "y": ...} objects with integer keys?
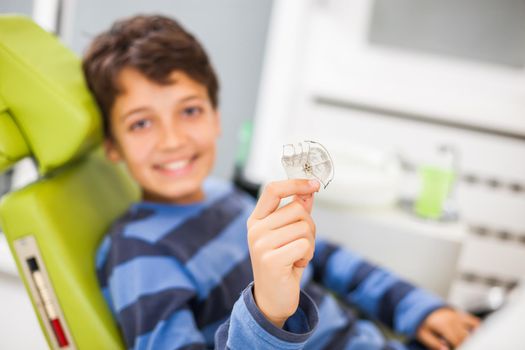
[{"x": 55, "y": 224}]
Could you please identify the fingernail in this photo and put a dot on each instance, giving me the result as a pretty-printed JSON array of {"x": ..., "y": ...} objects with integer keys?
[{"x": 314, "y": 183}]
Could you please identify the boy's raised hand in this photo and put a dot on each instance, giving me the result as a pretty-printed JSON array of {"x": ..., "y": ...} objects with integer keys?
[{"x": 281, "y": 243}]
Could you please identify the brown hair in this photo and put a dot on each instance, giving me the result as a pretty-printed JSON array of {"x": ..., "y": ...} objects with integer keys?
[{"x": 155, "y": 46}]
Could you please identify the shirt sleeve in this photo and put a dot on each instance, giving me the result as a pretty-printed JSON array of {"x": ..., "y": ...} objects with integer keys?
[
  {"x": 374, "y": 290},
  {"x": 247, "y": 325}
]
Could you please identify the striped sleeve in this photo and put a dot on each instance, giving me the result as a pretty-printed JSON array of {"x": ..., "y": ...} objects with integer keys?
[
  {"x": 376, "y": 291},
  {"x": 150, "y": 298}
]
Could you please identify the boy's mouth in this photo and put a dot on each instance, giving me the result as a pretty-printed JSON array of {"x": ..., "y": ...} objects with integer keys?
[{"x": 176, "y": 168}]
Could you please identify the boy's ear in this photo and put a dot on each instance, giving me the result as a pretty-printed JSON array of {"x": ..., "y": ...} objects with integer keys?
[{"x": 112, "y": 152}]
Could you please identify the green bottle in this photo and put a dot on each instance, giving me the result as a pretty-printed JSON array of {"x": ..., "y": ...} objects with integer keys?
[{"x": 437, "y": 182}]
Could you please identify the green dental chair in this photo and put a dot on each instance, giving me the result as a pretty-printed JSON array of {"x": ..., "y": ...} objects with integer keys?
[{"x": 54, "y": 225}]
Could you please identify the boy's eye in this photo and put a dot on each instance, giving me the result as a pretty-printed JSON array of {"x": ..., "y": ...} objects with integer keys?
[
  {"x": 192, "y": 111},
  {"x": 140, "y": 124}
]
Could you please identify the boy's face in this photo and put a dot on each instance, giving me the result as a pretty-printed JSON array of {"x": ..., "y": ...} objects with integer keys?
[{"x": 165, "y": 134}]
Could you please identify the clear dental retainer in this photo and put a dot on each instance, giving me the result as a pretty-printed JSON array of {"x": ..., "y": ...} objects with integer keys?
[{"x": 308, "y": 160}]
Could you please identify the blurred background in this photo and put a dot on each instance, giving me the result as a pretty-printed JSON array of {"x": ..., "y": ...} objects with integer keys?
[{"x": 420, "y": 103}]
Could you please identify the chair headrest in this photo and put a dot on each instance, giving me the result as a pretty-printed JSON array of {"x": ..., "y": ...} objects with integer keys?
[
  {"x": 46, "y": 110},
  {"x": 13, "y": 147}
]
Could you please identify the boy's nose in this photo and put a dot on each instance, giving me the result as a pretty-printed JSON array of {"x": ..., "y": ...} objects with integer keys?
[{"x": 171, "y": 138}]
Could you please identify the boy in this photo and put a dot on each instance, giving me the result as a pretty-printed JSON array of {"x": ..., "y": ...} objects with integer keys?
[{"x": 197, "y": 264}]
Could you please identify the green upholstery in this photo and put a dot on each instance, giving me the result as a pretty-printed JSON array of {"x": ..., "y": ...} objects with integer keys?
[
  {"x": 47, "y": 113},
  {"x": 68, "y": 212},
  {"x": 41, "y": 82},
  {"x": 12, "y": 144}
]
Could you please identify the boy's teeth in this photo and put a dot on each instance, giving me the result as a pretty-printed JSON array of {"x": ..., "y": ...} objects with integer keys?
[{"x": 176, "y": 165}]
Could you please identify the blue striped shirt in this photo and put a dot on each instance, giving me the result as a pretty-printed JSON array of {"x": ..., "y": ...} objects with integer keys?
[{"x": 180, "y": 277}]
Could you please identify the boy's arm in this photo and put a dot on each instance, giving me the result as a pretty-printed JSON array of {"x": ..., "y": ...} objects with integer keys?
[
  {"x": 151, "y": 309},
  {"x": 273, "y": 313},
  {"x": 374, "y": 290}
]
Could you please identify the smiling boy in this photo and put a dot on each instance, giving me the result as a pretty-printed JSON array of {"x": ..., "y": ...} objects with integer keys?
[
  {"x": 196, "y": 263},
  {"x": 165, "y": 134}
]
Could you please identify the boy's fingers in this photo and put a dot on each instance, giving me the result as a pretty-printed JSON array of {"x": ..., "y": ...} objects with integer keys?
[
  {"x": 306, "y": 200},
  {"x": 471, "y": 321},
  {"x": 464, "y": 333},
  {"x": 296, "y": 251},
  {"x": 286, "y": 234},
  {"x": 290, "y": 213},
  {"x": 275, "y": 191},
  {"x": 431, "y": 340},
  {"x": 453, "y": 335}
]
